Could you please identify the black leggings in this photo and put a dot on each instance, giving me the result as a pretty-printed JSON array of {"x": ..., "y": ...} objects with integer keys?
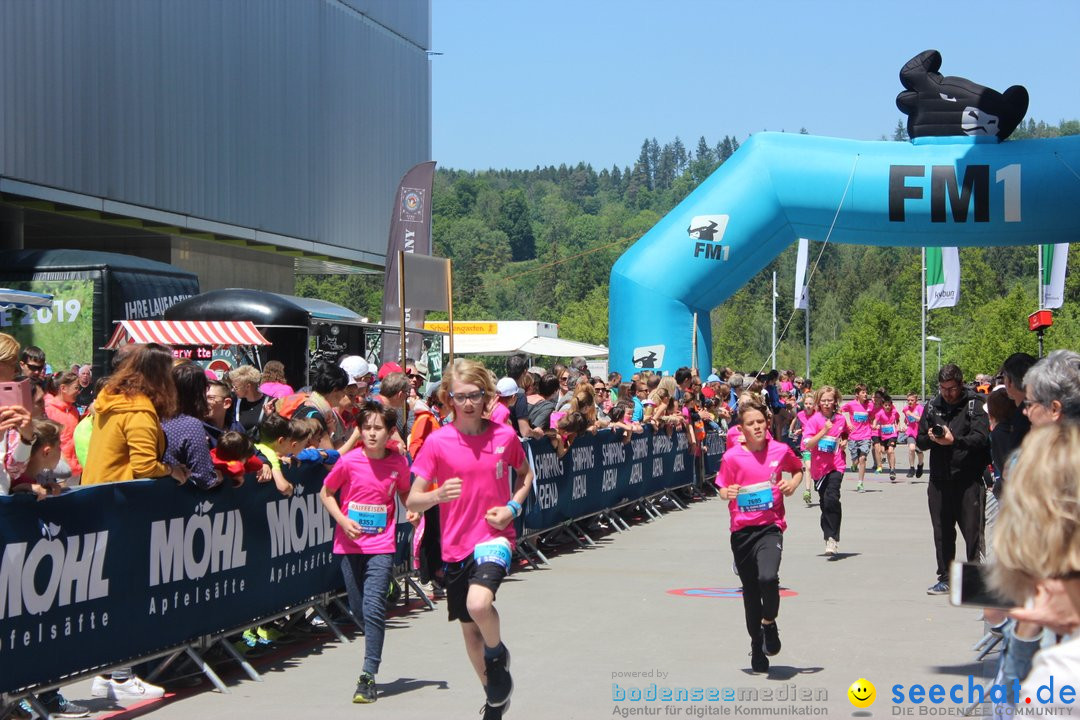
[
  {"x": 757, "y": 552},
  {"x": 828, "y": 489}
]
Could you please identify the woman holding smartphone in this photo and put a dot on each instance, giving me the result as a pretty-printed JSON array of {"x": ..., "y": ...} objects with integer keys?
[{"x": 16, "y": 432}]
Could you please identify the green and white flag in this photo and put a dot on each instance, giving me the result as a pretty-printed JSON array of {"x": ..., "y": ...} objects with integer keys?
[
  {"x": 942, "y": 277},
  {"x": 1052, "y": 282}
]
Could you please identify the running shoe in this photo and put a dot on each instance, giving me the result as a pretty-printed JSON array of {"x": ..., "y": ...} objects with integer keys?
[
  {"x": 879, "y": 469},
  {"x": 499, "y": 683},
  {"x": 918, "y": 471},
  {"x": 271, "y": 634},
  {"x": 770, "y": 638},
  {"x": 759, "y": 662},
  {"x": 131, "y": 689},
  {"x": 59, "y": 707},
  {"x": 859, "y": 487},
  {"x": 911, "y": 472},
  {"x": 941, "y": 588},
  {"x": 807, "y": 498},
  {"x": 365, "y": 689},
  {"x": 892, "y": 476},
  {"x": 831, "y": 546},
  {"x": 493, "y": 712}
]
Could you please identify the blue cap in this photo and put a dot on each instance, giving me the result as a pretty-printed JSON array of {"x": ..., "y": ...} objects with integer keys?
[{"x": 712, "y": 378}]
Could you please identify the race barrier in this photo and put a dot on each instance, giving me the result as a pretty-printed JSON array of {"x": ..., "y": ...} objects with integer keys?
[
  {"x": 115, "y": 572},
  {"x": 125, "y": 572}
]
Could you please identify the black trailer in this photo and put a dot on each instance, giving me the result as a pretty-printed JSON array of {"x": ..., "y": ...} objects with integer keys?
[{"x": 302, "y": 331}]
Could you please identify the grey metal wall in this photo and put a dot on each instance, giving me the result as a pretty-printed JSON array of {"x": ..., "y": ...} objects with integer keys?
[{"x": 294, "y": 117}]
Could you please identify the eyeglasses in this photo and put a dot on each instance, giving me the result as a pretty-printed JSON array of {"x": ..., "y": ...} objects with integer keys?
[
  {"x": 948, "y": 388},
  {"x": 564, "y": 378},
  {"x": 466, "y": 398},
  {"x": 34, "y": 368}
]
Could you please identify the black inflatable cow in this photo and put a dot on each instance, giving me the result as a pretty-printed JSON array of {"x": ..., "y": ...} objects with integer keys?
[{"x": 945, "y": 106}]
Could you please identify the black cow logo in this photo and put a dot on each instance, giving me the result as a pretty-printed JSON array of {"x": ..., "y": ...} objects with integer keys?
[{"x": 939, "y": 106}]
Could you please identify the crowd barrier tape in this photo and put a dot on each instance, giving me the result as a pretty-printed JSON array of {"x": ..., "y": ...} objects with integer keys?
[
  {"x": 601, "y": 472},
  {"x": 114, "y": 573}
]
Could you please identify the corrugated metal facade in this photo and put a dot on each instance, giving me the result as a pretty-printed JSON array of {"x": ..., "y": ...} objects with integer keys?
[{"x": 295, "y": 117}]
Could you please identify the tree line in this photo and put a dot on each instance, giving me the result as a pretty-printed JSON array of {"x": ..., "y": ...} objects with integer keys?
[{"x": 539, "y": 245}]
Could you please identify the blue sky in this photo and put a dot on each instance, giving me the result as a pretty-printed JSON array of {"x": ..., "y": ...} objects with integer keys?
[{"x": 525, "y": 82}]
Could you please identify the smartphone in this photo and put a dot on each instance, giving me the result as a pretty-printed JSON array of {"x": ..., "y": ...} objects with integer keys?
[
  {"x": 15, "y": 393},
  {"x": 968, "y": 587}
]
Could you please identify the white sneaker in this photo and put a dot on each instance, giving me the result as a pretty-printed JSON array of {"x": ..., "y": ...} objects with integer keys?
[
  {"x": 131, "y": 689},
  {"x": 831, "y": 546}
]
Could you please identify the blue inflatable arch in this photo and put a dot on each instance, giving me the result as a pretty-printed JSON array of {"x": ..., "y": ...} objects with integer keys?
[{"x": 933, "y": 191}]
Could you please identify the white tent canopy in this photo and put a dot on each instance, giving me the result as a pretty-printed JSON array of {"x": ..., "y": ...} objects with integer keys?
[{"x": 506, "y": 337}]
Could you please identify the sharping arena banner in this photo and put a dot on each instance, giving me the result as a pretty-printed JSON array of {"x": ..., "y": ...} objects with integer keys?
[
  {"x": 113, "y": 572},
  {"x": 602, "y": 471}
]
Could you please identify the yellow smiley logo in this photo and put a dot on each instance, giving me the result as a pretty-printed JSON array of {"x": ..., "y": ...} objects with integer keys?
[{"x": 862, "y": 693}]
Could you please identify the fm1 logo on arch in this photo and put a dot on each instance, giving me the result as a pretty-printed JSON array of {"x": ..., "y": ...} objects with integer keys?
[
  {"x": 972, "y": 193},
  {"x": 708, "y": 231}
]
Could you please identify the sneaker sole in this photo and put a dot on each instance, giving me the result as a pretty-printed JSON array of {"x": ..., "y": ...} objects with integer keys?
[
  {"x": 361, "y": 700},
  {"x": 503, "y": 703}
]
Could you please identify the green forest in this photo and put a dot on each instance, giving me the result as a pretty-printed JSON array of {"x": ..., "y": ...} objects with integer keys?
[{"x": 539, "y": 245}]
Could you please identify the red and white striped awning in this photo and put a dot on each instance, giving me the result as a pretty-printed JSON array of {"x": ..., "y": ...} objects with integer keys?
[{"x": 219, "y": 333}]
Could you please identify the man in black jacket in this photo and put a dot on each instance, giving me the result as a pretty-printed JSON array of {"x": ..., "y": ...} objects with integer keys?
[{"x": 956, "y": 431}]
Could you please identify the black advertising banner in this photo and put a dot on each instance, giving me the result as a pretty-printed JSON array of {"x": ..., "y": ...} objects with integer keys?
[
  {"x": 410, "y": 232},
  {"x": 113, "y": 572},
  {"x": 603, "y": 471}
]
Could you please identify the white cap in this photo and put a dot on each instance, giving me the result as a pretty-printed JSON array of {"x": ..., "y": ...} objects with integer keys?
[
  {"x": 355, "y": 367},
  {"x": 506, "y": 387}
]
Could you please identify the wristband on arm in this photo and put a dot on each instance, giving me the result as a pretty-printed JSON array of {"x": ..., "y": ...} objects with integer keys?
[{"x": 515, "y": 508}]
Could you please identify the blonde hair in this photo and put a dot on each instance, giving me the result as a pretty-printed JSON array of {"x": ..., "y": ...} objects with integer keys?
[
  {"x": 668, "y": 383},
  {"x": 9, "y": 348},
  {"x": 1037, "y": 533},
  {"x": 466, "y": 372},
  {"x": 245, "y": 374},
  {"x": 827, "y": 389}
]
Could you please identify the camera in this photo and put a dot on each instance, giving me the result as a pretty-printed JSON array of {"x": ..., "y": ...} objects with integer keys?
[{"x": 938, "y": 431}]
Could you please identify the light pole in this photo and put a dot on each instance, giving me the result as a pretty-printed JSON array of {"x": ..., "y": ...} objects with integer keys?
[{"x": 935, "y": 338}]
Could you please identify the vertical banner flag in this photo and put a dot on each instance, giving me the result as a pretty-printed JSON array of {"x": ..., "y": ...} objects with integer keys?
[
  {"x": 1052, "y": 282},
  {"x": 410, "y": 231},
  {"x": 942, "y": 277},
  {"x": 801, "y": 291}
]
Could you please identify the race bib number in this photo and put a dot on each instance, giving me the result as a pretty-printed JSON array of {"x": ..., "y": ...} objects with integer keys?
[
  {"x": 888, "y": 429},
  {"x": 827, "y": 444},
  {"x": 860, "y": 417},
  {"x": 496, "y": 550},
  {"x": 370, "y": 518},
  {"x": 756, "y": 497}
]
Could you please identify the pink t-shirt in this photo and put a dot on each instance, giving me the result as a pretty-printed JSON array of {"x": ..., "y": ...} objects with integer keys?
[
  {"x": 500, "y": 414},
  {"x": 367, "y": 496},
  {"x": 827, "y": 456},
  {"x": 760, "y": 501},
  {"x": 912, "y": 417},
  {"x": 888, "y": 423},
  {"x": 860, "y": 414},
  {"x": 483, "y": 462}
]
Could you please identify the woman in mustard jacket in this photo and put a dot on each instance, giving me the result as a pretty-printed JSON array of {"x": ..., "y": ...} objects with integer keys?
[{"x": 127, "y": 441}]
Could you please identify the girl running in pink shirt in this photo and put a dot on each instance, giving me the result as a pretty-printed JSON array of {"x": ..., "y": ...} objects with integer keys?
[
  {"x": 752, "y": 480},
  {"x": 822, "y": 434},
  {"x": 470, "y": 461}
]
